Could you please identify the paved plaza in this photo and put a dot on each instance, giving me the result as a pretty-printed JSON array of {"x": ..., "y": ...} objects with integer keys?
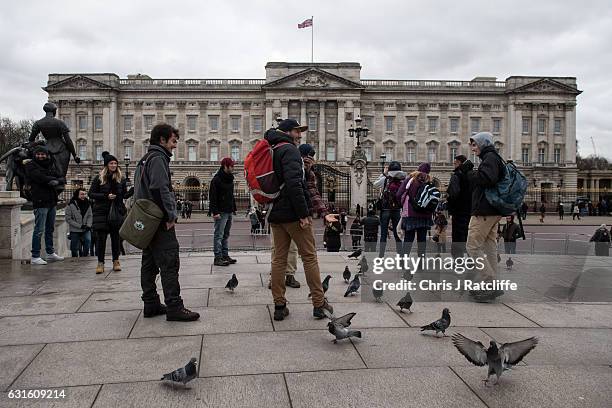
[{"x": 64, "y": 327}]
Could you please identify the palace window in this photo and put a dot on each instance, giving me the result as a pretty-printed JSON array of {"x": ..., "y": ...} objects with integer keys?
[
  {"x": 330, "y": 152},
  {"x": 171, "y": 120},
  {"x": 433, "y": 125},
  {"x": 213, "y": 123},
  {"x": 98, "y": 151},
  {"x": 475, "y": 125},
  {"x": 541, "y": 126},
  {"x": 526, "y": 125},
  {"x": 558, "y": 125},
  {"x": 411, "y": 124},
  {"x": 257, "y": 124},
  {"x": 214, "y": 153},
  {"x": 411, "y": 153},
  {"x": 389, "y": 123},
  {"x": 432, "y": 152},
  {"x": 368, "y": 152},
  {"x": 496, "y": 125},
  {"x": 235, "y": 123},
  {"x": 127, "y": 150},
  {"x": 454, "y": 125},
  {"x": 66, "y": 120},
  {"x": 98, "y": 124},
  {"x": 148, "y": 122},
  {"x": 368, "y": 122},
  {"x": 192, "y": 121},
  {"x": 82, "y": 151},
  {"x": 389, "y": 152},
  {"x": 82, "y": 122},
  {"x": 235, "y": 152},
  {"x": 525, "y": 155},
  {"x": 192, "y": 152},
  {"x": 312, "y": 123},
  {"x": 127, "y": 123},
  {"x": 331, "y": 124},
  {"x": 557, "y": 154},
  {"x": 542, "y": 153}
]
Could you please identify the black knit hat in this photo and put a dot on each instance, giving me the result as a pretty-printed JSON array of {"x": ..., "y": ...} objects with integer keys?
[
  {"x": 107, "y": 158},
  {"x": 395, "y": 166}
]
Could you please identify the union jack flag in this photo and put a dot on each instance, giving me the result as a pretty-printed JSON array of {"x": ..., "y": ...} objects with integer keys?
[{"x": 306, "y": 23}]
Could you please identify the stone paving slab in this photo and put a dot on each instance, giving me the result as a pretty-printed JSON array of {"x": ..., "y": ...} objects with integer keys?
[
  {"x": 368, "y": 315},
  {"x": 546, "y": 387},
  {"x": 75, "y": 397},
  {"x": 561, "y": 346},
  {"x": 389, "y": 388},
  {"x": 408, "y": 347},
  {"x": 98, "y": 362},
  {"x": 78, "y": 286},
  {"x": 217, "y": 280},
  {"x": 237, "y": 319},
  {"x": 66, "y": 327},
  {"x": 13, "y": 359},
  {"x": 245, "y": 391},
  {"x": 466, "y": 314},
  {"x": 19, "y": 288},
  {"x": 44, "y": 304},
  {"x": 109, "y": 301},
  {"x": 235, "y": 354},
  {"x": 566, "y": 314},
  {"x": 240, "y": 268}
]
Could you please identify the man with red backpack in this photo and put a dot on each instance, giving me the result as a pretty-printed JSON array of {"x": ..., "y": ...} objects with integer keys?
[{"x": 389, "y": 205}]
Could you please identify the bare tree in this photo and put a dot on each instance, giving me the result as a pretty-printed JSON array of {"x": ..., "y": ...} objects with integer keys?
[
  {"x": 13, "y": 133},
  {"x": 592, "y": 162}
]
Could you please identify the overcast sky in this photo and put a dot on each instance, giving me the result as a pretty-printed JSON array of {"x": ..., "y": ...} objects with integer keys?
[{"x": 234, "y": 39}]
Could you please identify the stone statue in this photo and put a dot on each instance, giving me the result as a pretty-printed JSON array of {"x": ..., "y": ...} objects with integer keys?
[{"x": 57, "y": 137}]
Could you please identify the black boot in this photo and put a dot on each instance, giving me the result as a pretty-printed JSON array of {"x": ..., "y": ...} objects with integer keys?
[
  {"x": 280, "y": 312},
  {"x": 291, "y": 282},
  {"x": 155, "y": 309},
  {"x": 230, "y": 260},
  {"x": 220, "y": 261},
  {"x": 181, "y": 315}
]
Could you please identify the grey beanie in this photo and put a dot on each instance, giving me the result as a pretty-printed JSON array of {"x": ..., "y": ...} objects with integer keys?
[{"x": 482, "y": 139}]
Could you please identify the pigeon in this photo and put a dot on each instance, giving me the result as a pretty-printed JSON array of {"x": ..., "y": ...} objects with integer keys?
[
  {"x": 405, "y": 302},
  {"x": 495, "y": 357},
  {"x": 346, "y": 275},
  {"x": 363, "y": 265},
  {"x": 183, "y": 374},
  {"x": 377, "y": 293},
  {"x": 509, "y": 263},
  {"x": 498, "y": 258},
  {"x": 441, "y": 324},
  {"x": 339, "y": 327},
  {"x": 356, "y": 254},
  {"x": 353, "y": 287},
  {"x": 325, "y": 285},
  {"x": 232, "y": 283}
]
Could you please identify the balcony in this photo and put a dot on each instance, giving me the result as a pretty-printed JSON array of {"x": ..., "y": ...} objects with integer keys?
[
  {"x": 136, "y": 84},
  {"x": 493, "y": 86}
]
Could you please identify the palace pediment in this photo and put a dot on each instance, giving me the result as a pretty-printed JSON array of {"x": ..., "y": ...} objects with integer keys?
[
  {"x": 78, "y": 82},
  {"x": 313, "y": 78},
  {"x": 545, "y": 86}
]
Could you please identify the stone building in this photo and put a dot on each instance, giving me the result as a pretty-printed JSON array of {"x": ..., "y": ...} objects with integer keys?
[{"x": 533, "y": 119}]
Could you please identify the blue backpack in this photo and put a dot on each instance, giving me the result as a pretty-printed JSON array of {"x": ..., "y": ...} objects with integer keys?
[{"x": 509, "y": 193}]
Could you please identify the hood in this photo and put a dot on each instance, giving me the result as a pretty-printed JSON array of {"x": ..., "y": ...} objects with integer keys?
[
  {"x": 274, "y": 136},
  {"x": 483, "y": 139},
  {"x": 226, "y": 177},
  {"x": 397, "y": 174},
  {"x": 160, "y": 149}
]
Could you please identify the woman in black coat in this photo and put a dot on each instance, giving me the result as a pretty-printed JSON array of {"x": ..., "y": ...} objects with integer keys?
[{"x": 108, "y": 190}]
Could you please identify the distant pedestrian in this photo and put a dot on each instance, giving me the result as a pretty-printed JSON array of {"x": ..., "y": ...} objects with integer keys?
[
  {"x": 79, "y": 217},
  {"x": 576, "y": 212},
  {"x": 459, "y": 204},
  {"x": 542, "y": 212},
  {"x": 510, "y": 233},
  {"x": 390, "y": 208},
  {"x": 107, "y": 190},
  {"x": 332, "y": 236},
  {"x": 524, "y": 209},
  {"x": 561, "y": 210},
  {"x": 222, "y": 207},
  {"x": 252, "y": 214},
  {"x": 343, "y": 220},
  {"x": 601, "y": 238},
  {"x": 356, "y": 233},
  {"x": 189, "y": 209},
  {"x": 440, "y": 227},
  {"x": 371, "y": 224}
]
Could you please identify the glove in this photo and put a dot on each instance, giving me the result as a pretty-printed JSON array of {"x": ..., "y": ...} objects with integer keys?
[
  {"x": 54, "y": 183},
  {"x": 77, "y": 159}
]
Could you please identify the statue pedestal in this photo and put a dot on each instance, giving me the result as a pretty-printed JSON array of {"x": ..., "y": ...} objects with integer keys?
[
  {"x": 359, "y": 179},
  {"x": 10, "y": 224}
]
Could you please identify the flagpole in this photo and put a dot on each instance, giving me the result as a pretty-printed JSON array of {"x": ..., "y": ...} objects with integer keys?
[{"x": 312, "y": 41}]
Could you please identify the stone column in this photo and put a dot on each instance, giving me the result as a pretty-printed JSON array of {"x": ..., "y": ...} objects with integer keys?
[
  {"x": 322, "y": 130},
  {"x": 570, "y": 132},
  {"x": 341, "y": 131},
  {"x": 269, "y": 114},
  {"x": 534, "y": 133},
  {"x": 303, "y": 118},
  {"x": 284, "y": 108},
  {"x": 10, "y": 224},
  {"x": 359, "y": 179}
]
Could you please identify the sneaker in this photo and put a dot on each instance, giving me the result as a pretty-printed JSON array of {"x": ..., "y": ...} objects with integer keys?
[
  {"x": 182, "y": 315},
  {"x": 38, "y": 261},
  {"x": 100, "y": 268},
  {"x": 325, "y": 310},
  {"x": 116, "y": 266},
  {"x": 220, "y": 261},
  {"x": 54, "y": 257},
  {"x": 280, "y": 312},
  {"x": 154, "y": 310},
  {"x": 291, "y": 282},
  {"x": 230, "y": 260}
]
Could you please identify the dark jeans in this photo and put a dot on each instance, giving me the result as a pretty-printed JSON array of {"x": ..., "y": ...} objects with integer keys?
[
  {"x": 460, "y": 224},
  {"x": 222, "y": 231},
  {"x": 356, "y": 242},
  {"x": 101, "y": 236},
  {"x": 510, "y": 247},
  {"x": 421, "y": 236},
  {"x": 369, "y": 246},
  {"x": 79, "y": 243},
  {"x": 387, "y": 217},
  {"x": 162, "y": 256},
  {"x": 44, "y": 222}
]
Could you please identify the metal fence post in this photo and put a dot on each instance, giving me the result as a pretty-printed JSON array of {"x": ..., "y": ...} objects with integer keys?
[
  {"x": 532, "y": 243},
  {"x": 566, "y": 250}
]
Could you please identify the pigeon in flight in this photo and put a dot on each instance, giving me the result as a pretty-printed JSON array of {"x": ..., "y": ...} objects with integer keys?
[
  {"x": 363, "y": 265},
  {"x": 325, "y": 285},
  {"x": 232, "y": 283},
  {"x": 353, "y": 288},
  {"x": 346, "y": 275},
  {"x": 509, "y": 263},
  {"x": 356, "y": 254},
  {"x": 405, "y": 302},
  {"x": 378, "y": 294},
  {"x": 183, "y": 374},
  {"x": 441, "y": 324},
  {"x": 339, "y": 327},
  {"x": 495, "y": 357}
]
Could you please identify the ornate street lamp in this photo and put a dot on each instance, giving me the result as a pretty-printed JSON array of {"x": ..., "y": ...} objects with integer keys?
[
  {"x": 126, "y": 160},
  {"x": 358, "y": 131}
]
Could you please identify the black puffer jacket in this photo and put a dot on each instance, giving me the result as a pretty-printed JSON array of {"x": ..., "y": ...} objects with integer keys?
[
  {"x": 99, "y": 192},
  {"x": 221, "y": 193},
  {"x": 39, "y": 174},
  {"x": 459, "y": 190},
  {"x": 293, "y": 203},
  {"x": 490, "y": 171}
]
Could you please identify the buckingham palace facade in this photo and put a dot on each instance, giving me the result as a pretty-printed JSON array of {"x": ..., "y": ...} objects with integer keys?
[{"x": 533, "y": 119}]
